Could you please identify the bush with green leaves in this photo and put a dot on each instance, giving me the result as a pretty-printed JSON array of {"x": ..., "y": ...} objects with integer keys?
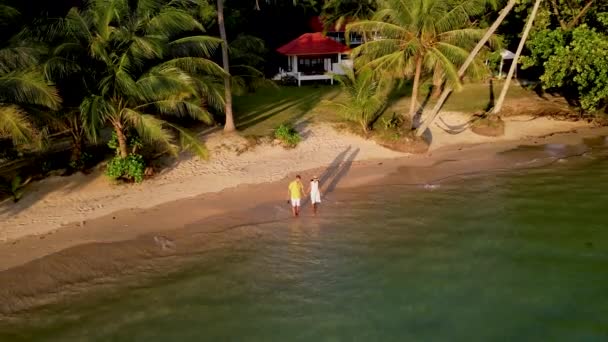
[
  {"x": 394, "y": 122},
  {"x": 287, "y": 135},
  {"x": 574, "y": 64},
  {"x": 131, "y": 168},
  {"x": 363, "y": 97}
]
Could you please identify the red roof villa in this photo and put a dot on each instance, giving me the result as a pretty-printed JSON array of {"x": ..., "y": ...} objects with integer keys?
[{"x": 315, "y": 56}]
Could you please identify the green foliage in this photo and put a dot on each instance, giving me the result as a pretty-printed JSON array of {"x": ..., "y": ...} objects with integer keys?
[
  {"x": 133, "y": 141},
  {"x": 287, "y": 135},
  {"x": 81, "y": 162},
  {"x": 364, "y": 96},
  {"x": 150, "y": 64},
  {"x": 575, "y": 63},
  {"x": 336, "y": 12},
  {"x": 14, "y": 188},
  {"x": 421, "y": 37},
  {"x": 394, "y": 122},
  {"x": 22, "y": 85},
  {"x": 131, "y": 168}
]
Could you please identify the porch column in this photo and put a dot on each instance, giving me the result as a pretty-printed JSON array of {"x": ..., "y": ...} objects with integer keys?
[
  {"x": 295, "y": 64},
  {"x": 289, "y": 63},
  {"x": 500, "y": 68}
]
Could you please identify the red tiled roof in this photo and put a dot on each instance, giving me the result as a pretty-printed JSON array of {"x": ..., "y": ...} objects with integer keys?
[{"x": 312, "y": 44}]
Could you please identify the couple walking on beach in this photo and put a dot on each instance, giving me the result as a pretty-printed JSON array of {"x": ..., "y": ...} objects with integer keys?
[{"x": 296, "y": 193}]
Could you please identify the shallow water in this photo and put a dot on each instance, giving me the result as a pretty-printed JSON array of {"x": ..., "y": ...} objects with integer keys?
[{"x": 521, "y": 255}]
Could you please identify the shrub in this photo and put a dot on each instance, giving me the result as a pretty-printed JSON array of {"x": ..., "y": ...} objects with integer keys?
[
  {"x": 287, "y": 135},
  {"x": 395, "y": 122},
  {"x": 288, "y": 80},
  {"x": 131, "y": 168}
]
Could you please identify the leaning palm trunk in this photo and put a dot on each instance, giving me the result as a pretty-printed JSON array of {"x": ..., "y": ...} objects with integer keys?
[
  {"x": 520, "y": 47},
  {"x": 414, "y": 101},
  {"x": 448, "y": 90},
  {"x": 228, "y": 89}
]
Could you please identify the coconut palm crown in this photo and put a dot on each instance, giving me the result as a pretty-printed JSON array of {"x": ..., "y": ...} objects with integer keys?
[
  {"x": 22, "y": 85},
  {"x": 150, "y": 67},
  {"x": 417, "y": 37}
]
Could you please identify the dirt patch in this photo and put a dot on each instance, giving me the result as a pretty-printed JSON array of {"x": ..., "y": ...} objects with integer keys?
[
  {"x": 489, "y": 126},
  {"x": 405, "y": 144}
]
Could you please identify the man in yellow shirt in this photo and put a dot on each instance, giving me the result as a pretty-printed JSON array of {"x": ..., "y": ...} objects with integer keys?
[{"x": 295, "y": 191}]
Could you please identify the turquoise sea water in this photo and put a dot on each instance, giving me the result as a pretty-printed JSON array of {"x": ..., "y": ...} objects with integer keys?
[{"x": 512, "y": 256}]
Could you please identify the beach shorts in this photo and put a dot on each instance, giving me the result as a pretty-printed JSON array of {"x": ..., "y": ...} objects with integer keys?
[{"x": 295, "y": 202}]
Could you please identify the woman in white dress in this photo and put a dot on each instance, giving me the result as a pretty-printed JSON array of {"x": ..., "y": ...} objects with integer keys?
[{"x": 315, "y": 194}]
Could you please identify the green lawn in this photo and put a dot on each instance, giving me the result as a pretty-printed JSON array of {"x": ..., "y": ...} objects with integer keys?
[{"x": 261, "y": 112}]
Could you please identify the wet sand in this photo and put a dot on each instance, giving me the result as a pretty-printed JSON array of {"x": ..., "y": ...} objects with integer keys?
[{"x": 44, "y": 269}]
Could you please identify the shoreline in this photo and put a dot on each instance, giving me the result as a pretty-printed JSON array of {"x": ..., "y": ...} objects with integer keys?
[
  {"x": 58, "y": 202},
  {"x": 129, "y": 223},
  {"x": 127, "y": 242}
]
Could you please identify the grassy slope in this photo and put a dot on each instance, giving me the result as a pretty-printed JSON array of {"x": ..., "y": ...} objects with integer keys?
[{"x": 261, "y": 112}]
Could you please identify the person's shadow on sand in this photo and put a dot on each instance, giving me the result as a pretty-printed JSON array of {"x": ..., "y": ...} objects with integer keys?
[{"x": 338, "y": 168}]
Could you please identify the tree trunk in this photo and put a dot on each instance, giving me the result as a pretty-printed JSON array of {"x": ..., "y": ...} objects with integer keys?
[
  {"x": 447, "y": 90},
  {"x": 414, "y": 101},
  {"x": 122, "y": 142},
  {"x": 520, "y": 47},
  {"x": 229, "y": 127},
  {"x": 437, "y": 85},
  {"x": 77, "y": 145}
]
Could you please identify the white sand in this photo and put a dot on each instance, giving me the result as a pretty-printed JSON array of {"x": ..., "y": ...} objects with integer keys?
[{"x": 57, "y": 201}]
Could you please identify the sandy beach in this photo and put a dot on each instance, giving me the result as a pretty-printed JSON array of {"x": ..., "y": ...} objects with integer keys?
[
  {"x": 161, "y": 218},
  {"x": 61, "y": 201},
  {"x": 194, "y": 189}
]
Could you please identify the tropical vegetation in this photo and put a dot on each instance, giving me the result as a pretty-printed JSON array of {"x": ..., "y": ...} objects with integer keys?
[
  {"x": 142, "y": 76},
  {"x": 420, "y": 37}
]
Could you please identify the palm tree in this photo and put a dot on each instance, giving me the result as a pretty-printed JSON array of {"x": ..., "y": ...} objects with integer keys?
[
  {"x": 520, "y": 47},
  {"x": 229, "y": 126},
  {"x": 364, "y": 95},
  {"x": 144, "y": 73},
  {"x": 22, "y": 86},
  {"x": 461, "y": 72},
  {"x": 418, "y": 36}
]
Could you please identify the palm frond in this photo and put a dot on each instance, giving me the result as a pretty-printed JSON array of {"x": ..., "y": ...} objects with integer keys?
[
  {"x": 15, "y": 125},
  {"x": 195, "y": 46},
  {"x": 448, "y": 68},
  {"x": 95, "y": 111},
  {"x": 211, "y": 89},
  {"x": 172, "y": 21},
  {"x": 28, "y": 87},
  {"x": 468, "y": 37},
  {"x": 58, "y": 67},
  {"x": 190, "y": 142},
  {"x": 150, "y": 128},
  {"x": 165, "y": 82},
  {"x": 18, "y": 58},
  {"x": 147, "y": 47},
  {"x": 180, "y": 108},
  {"x": 386, "y": 29},
  {"x": 194, "y": 66},
  {"x": 459, "y": 14}
]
